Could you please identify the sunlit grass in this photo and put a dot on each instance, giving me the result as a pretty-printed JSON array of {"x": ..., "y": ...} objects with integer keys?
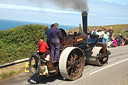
[{"x": 5, "y": 75}]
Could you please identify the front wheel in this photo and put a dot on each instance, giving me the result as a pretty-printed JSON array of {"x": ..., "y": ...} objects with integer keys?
[{"x": 103, "y": 60}]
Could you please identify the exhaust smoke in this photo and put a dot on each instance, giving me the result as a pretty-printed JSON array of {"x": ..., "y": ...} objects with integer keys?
[{"x": 78, "y": 5}]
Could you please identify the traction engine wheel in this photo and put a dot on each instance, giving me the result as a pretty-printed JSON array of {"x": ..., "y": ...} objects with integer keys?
[
  {"x": 71, "y": 63},
  {"x": 103, "y": 60},
  {"x": 34, "y": 63}
]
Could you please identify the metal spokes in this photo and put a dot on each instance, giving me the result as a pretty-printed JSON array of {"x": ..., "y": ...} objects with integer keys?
[{"x": 73, "y": 64}]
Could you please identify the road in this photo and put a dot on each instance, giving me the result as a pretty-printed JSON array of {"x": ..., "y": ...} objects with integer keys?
[{"x": 114, "y": 73}]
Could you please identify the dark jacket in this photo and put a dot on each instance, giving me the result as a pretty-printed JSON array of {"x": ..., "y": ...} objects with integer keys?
[{"x": 55, "y": 36}]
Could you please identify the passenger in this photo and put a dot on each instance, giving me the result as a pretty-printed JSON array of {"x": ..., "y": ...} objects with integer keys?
[
  {"x": 111, "y": 33},
  {"x": 43, "y": 47},
  {"x": 105, "y": 37},
  {"x": 100, "y": 33},
  {"x": 119, "y": 39},
  {"x": 48, "y": 34},
  {"x": 55, "y": 37}
]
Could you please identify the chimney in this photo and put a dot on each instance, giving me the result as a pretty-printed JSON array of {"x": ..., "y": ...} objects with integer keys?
[{"x": 84, "y": 18}]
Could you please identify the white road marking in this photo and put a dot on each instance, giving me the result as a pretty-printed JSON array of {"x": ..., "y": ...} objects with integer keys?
[{"x": 108, "y": 66}]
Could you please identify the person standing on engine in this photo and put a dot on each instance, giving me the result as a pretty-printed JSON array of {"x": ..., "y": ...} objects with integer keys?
[
  {"x": 55, "y": 37},
  {"x": 48, "y": 34}
]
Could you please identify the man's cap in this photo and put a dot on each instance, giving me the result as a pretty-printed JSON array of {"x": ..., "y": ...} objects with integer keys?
[{"x": 56, "y": 24}]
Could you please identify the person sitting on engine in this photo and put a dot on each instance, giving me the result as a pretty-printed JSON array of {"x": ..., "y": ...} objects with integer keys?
[{"x": 43, "y": 47}]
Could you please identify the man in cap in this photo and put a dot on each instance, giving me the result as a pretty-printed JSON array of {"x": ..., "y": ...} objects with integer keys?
[{"x": 55, "y": 37}]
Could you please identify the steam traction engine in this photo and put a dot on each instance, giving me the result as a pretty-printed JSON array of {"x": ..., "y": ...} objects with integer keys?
[{"x": 76, "y": 51}]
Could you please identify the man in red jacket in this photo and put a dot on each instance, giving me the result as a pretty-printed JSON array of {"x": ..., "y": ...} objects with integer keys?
[{"x": 43, "y": 47}]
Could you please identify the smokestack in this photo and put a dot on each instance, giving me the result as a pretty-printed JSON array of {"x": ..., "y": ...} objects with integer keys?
[{"x": 84, "y": 18}]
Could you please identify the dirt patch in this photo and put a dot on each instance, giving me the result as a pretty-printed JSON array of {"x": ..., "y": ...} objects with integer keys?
[{"x": 12, "y": 70}]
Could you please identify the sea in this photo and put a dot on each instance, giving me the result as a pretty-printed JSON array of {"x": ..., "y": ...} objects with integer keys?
[{"x": 8, "y": 24}]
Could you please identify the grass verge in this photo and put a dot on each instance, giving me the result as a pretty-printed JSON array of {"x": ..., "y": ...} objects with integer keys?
[
  {"x": 11, "y": 71},
  {"x": 4, "y": 75}
]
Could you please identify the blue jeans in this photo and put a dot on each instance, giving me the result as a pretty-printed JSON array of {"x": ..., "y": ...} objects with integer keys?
[{"x": 106, "y": 41}]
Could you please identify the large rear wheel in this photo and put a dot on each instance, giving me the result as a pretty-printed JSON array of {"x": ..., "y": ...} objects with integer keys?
[{"x": 71, "y": 63}]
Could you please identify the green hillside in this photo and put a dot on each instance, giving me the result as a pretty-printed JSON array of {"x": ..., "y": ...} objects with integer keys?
[{"x": 19, "y": 42}]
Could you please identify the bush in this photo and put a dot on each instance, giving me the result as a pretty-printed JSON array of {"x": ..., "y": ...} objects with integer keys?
[{"x": 19, "y": 42}]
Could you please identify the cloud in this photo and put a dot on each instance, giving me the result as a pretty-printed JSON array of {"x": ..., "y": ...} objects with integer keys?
[
  {"x": 119, "y": 18},
  {"x": 120, "y": 2},
  {"x": 10, "y": 6}
]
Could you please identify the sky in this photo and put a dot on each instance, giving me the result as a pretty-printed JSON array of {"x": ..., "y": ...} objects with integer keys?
[{"x": 100, "y": 12}]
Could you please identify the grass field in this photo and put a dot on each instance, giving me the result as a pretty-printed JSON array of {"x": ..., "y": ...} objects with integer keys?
[{"x": 117, "y": 29}]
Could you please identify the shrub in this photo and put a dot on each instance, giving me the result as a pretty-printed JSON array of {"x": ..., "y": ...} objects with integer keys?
[{"x": 19, "y": 42}]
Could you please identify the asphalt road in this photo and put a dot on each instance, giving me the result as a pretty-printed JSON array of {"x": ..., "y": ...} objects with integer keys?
[{"x": 114, "y": 73}]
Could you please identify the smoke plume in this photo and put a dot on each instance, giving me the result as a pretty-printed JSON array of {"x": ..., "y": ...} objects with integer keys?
[{"x": 79, "y": 5}]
